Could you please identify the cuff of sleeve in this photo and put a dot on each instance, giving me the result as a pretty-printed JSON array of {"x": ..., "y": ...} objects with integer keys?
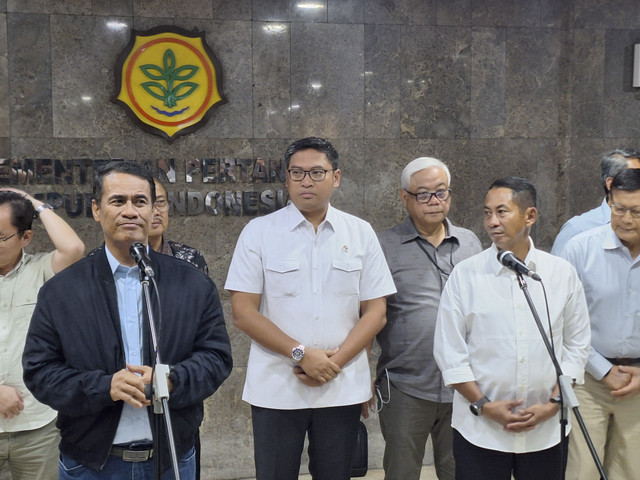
[
  {"x": 456, "y": 375},
  {"x": 598, "y": 367}
]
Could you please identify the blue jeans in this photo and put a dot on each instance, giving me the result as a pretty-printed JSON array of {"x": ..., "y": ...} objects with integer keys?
[{"x": 118, "y": 469}]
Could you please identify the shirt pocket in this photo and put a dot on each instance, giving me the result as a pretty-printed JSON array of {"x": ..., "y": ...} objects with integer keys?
[
  {"x": 345, "y": 277},
  {"x": 23, "y": 304},
  {"x": 282, "y": 277}
]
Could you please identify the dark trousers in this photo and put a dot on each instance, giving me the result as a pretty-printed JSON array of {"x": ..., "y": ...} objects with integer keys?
[
  {"x": 278, "y": 437},
  {"x": 475, "y": 463}
]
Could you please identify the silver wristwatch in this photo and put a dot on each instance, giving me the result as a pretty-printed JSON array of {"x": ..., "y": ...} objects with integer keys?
[{"x": 297, "y": 354}]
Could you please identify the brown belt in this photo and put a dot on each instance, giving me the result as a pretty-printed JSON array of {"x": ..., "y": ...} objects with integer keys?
[
  {"x": 624, "y": 361},
  {"x": 128, "y": 455}
]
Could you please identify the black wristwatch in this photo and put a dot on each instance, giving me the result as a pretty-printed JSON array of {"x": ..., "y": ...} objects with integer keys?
[
  {"x": 476, "y": 407},
  {"x": 555, "y": 399}
]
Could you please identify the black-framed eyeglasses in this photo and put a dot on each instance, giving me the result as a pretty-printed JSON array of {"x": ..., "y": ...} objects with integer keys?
[
  {"x": 316, "y": 174},
  {"x": 425, "y": 197},
  {"x": 4, "y": 239},
  {"x": 619, "y": 211}
]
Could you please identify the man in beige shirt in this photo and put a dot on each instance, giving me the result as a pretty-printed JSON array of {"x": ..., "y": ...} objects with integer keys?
[{"x": 28, "y": 435}]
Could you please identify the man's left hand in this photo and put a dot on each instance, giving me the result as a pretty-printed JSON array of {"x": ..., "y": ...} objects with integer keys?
[
  {"x": 633, "y": 387},
  {"x": 532, "y": 416}
]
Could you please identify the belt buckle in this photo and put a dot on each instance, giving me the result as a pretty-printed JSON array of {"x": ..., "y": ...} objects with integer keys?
[{"x": 136, "y": 455}]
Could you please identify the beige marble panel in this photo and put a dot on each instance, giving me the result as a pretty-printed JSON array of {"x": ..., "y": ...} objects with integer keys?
[
  {"x": 327, "y": 86},
  {"x": 345, "y": 11},
  {"x": 488, "y": 59},
  {"x": 406, "y": 12},
  {"x": 235, "y": 10},
  {"x": 112, "y": 7},
  {"x": 532, "y": 85},
  {"x": 435, "y": 90},
  {"x": 587, "y": 83},
  {"x": 84, "y": 54},
  {"x": 4, "y": 79},
  {"x": 271, "y": 79},
  {"x": 201, "y": 9},
  {"x": 620, "y": 99},
  {"x": 609, "y": 14},
  {"x": 503, "y": 13},
  {"x": 29, "y": 64},
  {"x": 383, "y": 80}
]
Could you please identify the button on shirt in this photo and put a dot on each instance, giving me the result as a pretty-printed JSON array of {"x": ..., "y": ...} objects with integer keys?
[
  {"x": 311, "y": 285},
  {"x": 18, "y": 294},
  {"x": 611, "y": 280},
  {"x": 134, "y": 422},
  {"x": 406, "y": 341},
  {"x": 486, "y": 333}
]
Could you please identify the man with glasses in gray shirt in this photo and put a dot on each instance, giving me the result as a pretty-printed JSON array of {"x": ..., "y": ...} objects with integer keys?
[{"x": 421, "y": 252}]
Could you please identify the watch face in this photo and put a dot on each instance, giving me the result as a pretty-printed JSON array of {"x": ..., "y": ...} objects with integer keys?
[
  {"x": 474, "y": 409},
  {"x": 297, "y": 354}
]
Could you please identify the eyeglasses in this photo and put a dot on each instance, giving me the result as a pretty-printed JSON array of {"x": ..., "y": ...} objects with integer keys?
[
  {"x": 619, "y": 211},
  {"x": 161, "y": 205},
  {"x": 4, "y": 239},
  {"x": 425, "y": 197},
  {"x": 317, "y": 174}
]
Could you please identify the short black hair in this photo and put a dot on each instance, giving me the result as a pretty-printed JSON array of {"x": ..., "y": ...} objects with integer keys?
[
  {"x": 315, "y": 143},
  {"x": 122, "y": 166},
  {"x": 524, "y": 193},
  {"x": 22, "y": 211},
  {"x": 628, "y": 179}
]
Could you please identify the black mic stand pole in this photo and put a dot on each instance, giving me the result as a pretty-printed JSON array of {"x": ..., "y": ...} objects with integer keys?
[
  {"x": 159, "y": 381},
  {"x": 568, "y": 398}
]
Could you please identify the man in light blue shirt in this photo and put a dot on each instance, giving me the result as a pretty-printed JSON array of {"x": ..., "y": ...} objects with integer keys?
[
  {"x": 611, "y": 163},
  {"x": 607, "y": 260}
]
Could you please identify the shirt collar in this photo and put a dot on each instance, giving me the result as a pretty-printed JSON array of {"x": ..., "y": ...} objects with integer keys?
[
  {"x": 114, "y": 263},
  {"x": 409, "y": 232},
  {"x": 295, "y": 218},
  {"x": 530, "y": 261}
]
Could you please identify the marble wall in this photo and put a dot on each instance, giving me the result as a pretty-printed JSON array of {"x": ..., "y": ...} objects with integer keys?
[{"x": 536, "y": 88}]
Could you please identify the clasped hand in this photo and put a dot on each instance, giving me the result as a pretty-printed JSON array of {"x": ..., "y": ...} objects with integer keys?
[
  {"x": 624, "y": 382},
  {"x": 317, "y": 368},
  {"x": 129, "y": 383},
  {"x": 504, "y": 413}
]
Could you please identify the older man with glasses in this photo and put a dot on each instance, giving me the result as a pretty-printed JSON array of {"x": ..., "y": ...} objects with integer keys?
[
  {"x": 421, "y": 252},
  {"x": 607, "y": 259}
]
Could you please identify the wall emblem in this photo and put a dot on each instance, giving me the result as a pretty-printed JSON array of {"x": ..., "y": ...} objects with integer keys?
[{"x": 168, "y": 80}]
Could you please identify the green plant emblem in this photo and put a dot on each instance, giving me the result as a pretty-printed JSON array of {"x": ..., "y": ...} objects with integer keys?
[{"x": 176, "y": 88}]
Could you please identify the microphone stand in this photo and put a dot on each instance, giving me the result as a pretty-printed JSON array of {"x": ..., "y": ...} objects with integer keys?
[
  {"x": 568, "y": 397},
  {"x": 160, "y": 385}
]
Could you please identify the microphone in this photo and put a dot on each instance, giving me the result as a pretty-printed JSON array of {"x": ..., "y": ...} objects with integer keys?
[
  {"x": 139, "y": 253},
  {"x": 509, "y": 260}
]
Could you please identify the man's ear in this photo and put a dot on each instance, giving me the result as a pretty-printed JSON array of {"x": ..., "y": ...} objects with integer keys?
[
  {"x": 26, "y": 238},
  {"x": 95, "y": 210},
  {"x": 532, "y": 215}
]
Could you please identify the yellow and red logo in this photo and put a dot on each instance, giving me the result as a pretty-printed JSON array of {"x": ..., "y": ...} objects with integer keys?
[{"x": 168, "y": 81}]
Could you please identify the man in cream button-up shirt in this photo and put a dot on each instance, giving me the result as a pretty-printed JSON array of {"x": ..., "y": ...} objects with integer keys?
[{"x": 489, "y": 348}]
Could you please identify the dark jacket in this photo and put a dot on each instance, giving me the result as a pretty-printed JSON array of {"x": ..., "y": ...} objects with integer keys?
[{"x": 74, "y": 346}]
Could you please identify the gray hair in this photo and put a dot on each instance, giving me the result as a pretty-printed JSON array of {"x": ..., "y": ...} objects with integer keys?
[
  {"x": 422, "y": 163},
  {"x": 615, "y": 161}
]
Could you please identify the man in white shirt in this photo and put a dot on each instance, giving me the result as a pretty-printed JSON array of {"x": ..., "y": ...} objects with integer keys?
[
  {"x": 489, "y": 348},
  {"x": 608, "y": 263},
  {"x": 308, "y": 285},
  {"x": 611, "y": 163}
]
